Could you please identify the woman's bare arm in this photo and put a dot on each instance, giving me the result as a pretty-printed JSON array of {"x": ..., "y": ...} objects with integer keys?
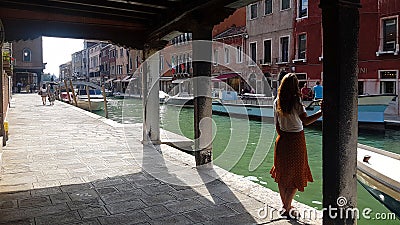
[{"x": 307, "y": 120}]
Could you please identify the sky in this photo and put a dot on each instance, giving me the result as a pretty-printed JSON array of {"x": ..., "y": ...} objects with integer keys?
[{"x": 57, "y": 51}]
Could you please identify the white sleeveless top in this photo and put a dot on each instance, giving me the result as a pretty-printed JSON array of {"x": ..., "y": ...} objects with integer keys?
[{"x": 290, "y": 122}]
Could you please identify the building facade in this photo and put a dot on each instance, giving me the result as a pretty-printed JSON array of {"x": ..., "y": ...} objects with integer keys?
[
  {"x": 28, "y": 63},
  {"x": 67, "y": 71}
]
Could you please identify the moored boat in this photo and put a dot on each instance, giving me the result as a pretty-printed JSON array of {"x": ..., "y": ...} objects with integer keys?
[
  {"x": 378, "y": 173},
  {"x": 371, "y": 108},
  {"x": 182, "y": 99}
]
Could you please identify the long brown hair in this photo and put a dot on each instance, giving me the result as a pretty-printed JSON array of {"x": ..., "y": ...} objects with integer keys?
[{"x": 288, "y": 94}]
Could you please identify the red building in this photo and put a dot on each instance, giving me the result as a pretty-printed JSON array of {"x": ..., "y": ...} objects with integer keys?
[{"x": 379, "y": 60}]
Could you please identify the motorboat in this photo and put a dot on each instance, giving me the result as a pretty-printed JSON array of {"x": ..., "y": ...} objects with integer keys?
[
  {"x": 95, "y": 103},
  {"x": 378, "y": 173},
  {"x": 182, "y": 99},
  {"x": 162, "y": 96},
  {"x": 371, "y": 108}
]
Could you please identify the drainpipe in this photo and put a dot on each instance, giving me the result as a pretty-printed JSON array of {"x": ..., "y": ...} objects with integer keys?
[{"x": 340, "y": 21}]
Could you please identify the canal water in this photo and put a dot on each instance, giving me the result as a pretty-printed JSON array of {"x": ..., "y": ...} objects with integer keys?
[{"x": 243, "y": 137}]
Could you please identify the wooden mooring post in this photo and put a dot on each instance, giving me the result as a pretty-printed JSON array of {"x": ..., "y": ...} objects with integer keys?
[
  {"x": 67, "y": 89},
  {"x": 88, "y": 97},
  {"x": 73, "y": 93},
  {"x": 103, "y": 89}
]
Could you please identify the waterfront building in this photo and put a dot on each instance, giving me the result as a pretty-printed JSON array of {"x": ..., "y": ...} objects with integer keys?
[
  {"x": 28, "y": 63},
  {"x": 135, "y": 61},
  {"x": 77, "y": 65},
  {"x": 66, "y": 71},
  {"x": 94, "y": 62},
  {"x": 269, "y": 25},
  {"x": 296, "y": 46},
  {"x": 176, "y": 65}
]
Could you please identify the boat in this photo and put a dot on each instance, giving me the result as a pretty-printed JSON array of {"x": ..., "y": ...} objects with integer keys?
[
  {"x": 371, "y": 108},
  {"x": 96, "y": 102},
  {"x": 162, "y": 96},
  {"x": 182, "y": 99},
  {"x": 378, "y": 173},
  {"x": 96, "y": 96}
]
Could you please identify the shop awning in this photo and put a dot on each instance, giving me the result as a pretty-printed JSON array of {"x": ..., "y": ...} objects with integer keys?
[{"x": 224, "y": 77}]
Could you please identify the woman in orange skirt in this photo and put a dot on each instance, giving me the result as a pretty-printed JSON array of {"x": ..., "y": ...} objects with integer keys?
[{"x": 291, "y": 170}]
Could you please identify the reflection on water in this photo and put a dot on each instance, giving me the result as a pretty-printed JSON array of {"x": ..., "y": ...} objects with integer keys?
[{"x": 236, "y": 141}]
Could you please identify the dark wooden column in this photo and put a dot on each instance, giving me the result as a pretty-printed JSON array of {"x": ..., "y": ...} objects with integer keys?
[
  {"x": 202, "y": 52},
  {"x": 340, "y": 20}
]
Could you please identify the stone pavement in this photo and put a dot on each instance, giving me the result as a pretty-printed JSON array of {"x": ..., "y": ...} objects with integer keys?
[{"x": 63, "y": 165}]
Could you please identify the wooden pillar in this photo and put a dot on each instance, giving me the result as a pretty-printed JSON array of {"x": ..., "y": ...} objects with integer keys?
[
  {"x": 340, "y": 20},
  {"x": 151, "y": 101},
  {"x": 202, "y": 53}
]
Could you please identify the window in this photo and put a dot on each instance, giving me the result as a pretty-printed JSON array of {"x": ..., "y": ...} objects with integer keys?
[
  {"x": 389, "y": 34},
  {"x": 226, "y": 55},
  {"x": 388, "y": 81},
  {"x": 285, "y": 4},
  {"x": 360, "y": 87},
  {"x": 268, "y": 7},
  {"x": 303, "y": 8},
  {"x": 161, "y": 64},
  {"x": 267, "y": 51},
  {"x": 253, "y": 53},
  {"x": 239, "y": 56},
  {"x": 253, "y": 11},
  {"x": 284, "y": 44},
  {"x": 215, "y": 57},
  {"x": 121, "y": 52},
  {"x": 26, "y": 55},
  {"x": 302, "y": 45}
]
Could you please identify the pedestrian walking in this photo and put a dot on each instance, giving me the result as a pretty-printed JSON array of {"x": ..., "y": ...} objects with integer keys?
[
  {"x": 291, "y": 170},
  {"x": 43, "y": 93}
]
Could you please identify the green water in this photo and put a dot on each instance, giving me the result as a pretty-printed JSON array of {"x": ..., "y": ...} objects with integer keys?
[{"x": 243, "y": 136}]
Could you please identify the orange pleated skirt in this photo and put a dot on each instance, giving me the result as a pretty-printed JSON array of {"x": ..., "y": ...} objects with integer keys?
[{"x": 291, "y": 169}]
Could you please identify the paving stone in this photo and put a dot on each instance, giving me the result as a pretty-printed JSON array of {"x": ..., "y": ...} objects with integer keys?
[
  {"x": 124, "y": 206},
  {"x": 237, "y": 219},
  {"x": 125, "y": 187},
  {"x": 157, "y": 189},
  {"x": 83, "y": 194},
  {"x": 8, "y": 204},
  {"x": 76, "y": 187},
  {"x": 59, "y": 198},
  {"x": 20, "y": 222},
  {"x": 34, "y": 201},
  {"x": 59, "y": 218},
  {"x": 122, "y": 196},
  {"x": 46, "y": 191},
  {"x": 184, "y": 205},
  {"x": 131, "y": 217},
  {"x": 196, "y": 216},
  {"x": 73, "y": 205},
  {"x": 14, "y": 195},
  {"x": 173, "y": 220},
  {"x": 91, "y": 211},
  {"x": 157, "y": 211},
  {"x": 108, "y": 182},
  {"x": 158, "y": 199},
  {"x": 46, "y": 210},
  {"x": 185, "y": 194},
  {"x": 106, "y": 190}
]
